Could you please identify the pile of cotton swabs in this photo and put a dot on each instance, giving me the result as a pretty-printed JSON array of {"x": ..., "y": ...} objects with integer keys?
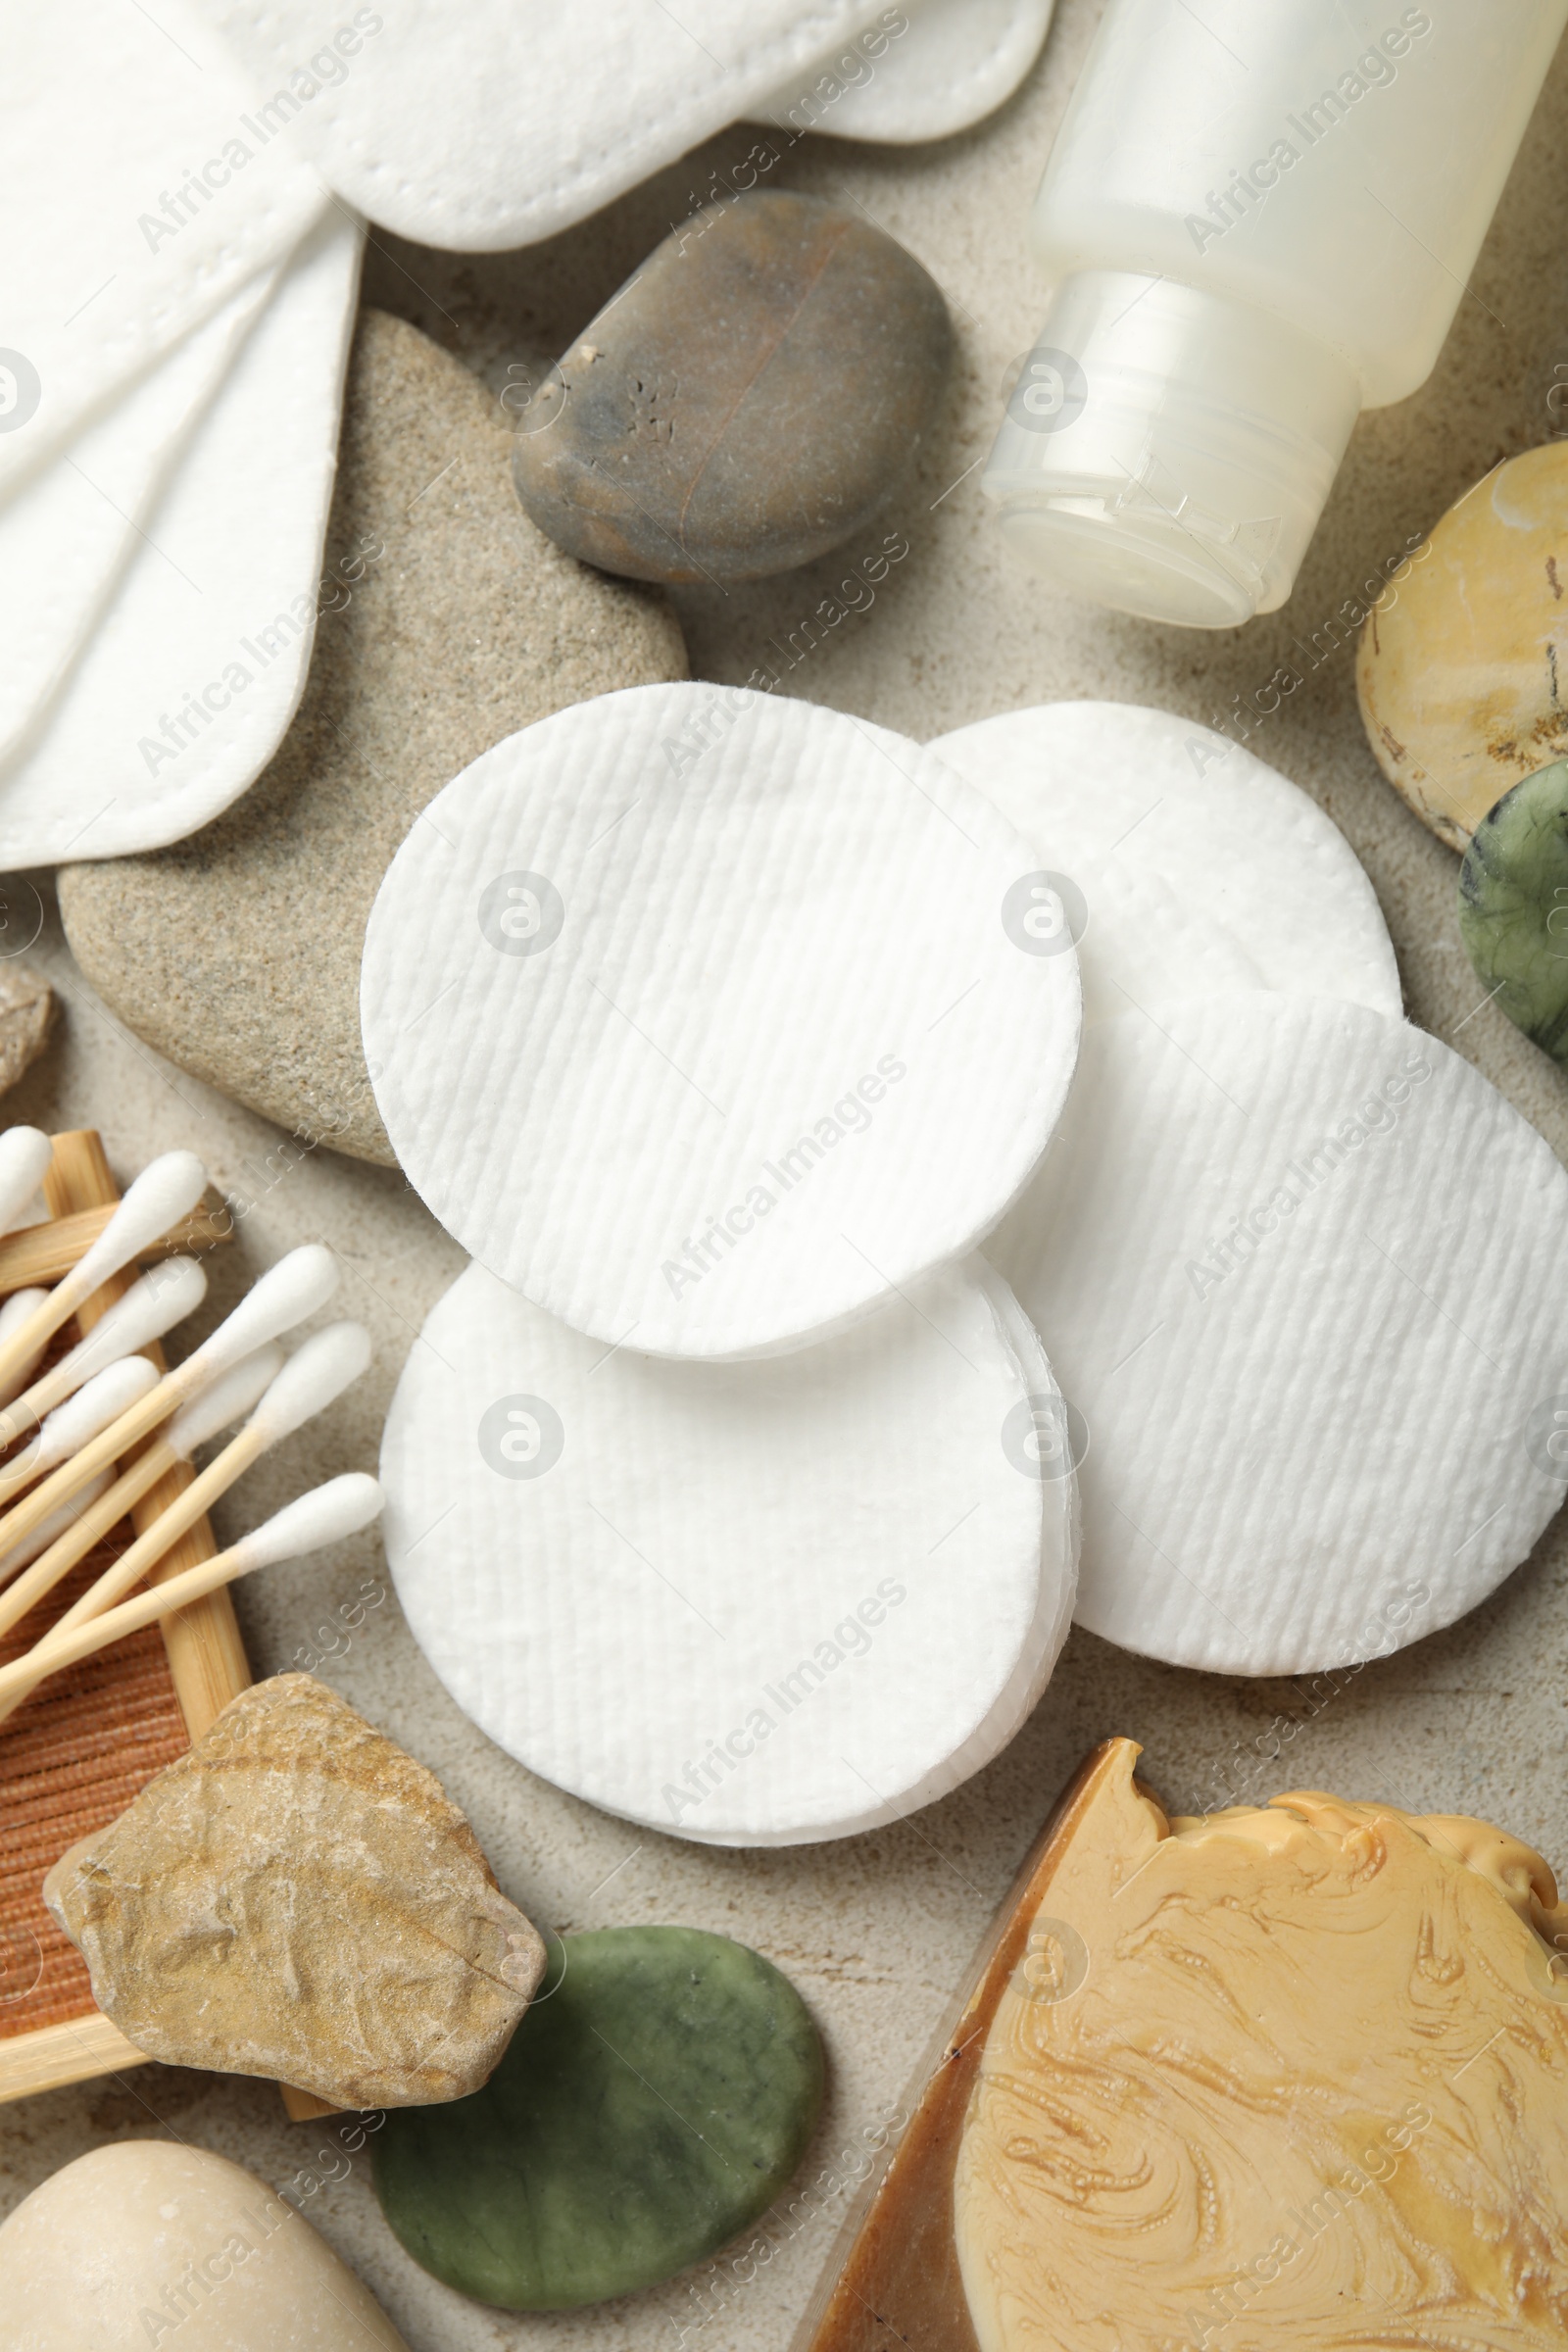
[{"x": 64, "y": 1490}]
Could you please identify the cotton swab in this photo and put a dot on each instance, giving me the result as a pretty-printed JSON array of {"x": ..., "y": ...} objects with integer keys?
[
  {"x": 59, "y": 1524},
  {"x": 323, "y": 1516},
  {"x": 290, "y": 1290},
  {"x": 213, "y": 1409},
  {"x": 310, "y": 1380},
  {"x": 15, "y": 1312},
  {"x": 161, "y": 1196},
  {"x": 25, "y": 1157},
  {"x": 163, "y": 1296},
  {"x": 103, "y": 1400}
]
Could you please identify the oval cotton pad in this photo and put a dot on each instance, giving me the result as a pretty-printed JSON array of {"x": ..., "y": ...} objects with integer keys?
[
  {"x": 505, "y": 120},
  {"x": 700, "y": 1016},
  {"x": 753, "y": 1607},
  {"x": 186, "y": 684},
  {"x": 175, "y": 198},
  {"x": 921, "y": 71},
  {"x": 1304, "y": 1275},
  {"x": 1252, "y": 880},
  {"x": 68, "y": 533}
]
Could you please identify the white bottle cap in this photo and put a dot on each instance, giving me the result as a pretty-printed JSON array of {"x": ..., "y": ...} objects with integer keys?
[{"x": 1168, "y": 451}]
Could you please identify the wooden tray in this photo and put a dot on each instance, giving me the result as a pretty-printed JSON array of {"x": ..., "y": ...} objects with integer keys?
[{"x": 81, "y": 1747}]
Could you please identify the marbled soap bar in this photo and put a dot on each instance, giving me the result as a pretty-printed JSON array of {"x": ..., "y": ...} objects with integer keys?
[{"x": 1292, "y": 2077}]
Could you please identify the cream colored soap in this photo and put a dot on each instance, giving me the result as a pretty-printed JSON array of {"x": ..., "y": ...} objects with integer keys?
[
  {"x": 146, "y": 2244},
  {"x": 1287, "y": 2079}
]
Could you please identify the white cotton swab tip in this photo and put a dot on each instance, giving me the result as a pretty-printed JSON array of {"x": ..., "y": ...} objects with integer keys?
[
  {"x": 323, "y": 1516},
  {"x": 229, "y": 1398},
  {"x": 163, "y": 1296},
  {"x": 285, "y": 1295},
  {"x": 161, "y": 1196},
  {"x": 50, "y": 1529},
  {"x": 25, "y": 1157},
  {"x": 316, "y": 1373},
  {"x": 95, "y": 1404}
]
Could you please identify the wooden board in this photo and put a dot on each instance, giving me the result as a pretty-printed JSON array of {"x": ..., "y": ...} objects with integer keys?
[
  {"x": 81, "y": 1747},
  {"x": 892, "y": 2283}
]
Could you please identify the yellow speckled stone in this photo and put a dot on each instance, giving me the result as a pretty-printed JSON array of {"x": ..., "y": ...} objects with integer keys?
[{"x": 1463, "y": 665}]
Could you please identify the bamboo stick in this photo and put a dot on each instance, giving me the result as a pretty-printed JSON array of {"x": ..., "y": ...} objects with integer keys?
[{"x": 206, "y": 1656}]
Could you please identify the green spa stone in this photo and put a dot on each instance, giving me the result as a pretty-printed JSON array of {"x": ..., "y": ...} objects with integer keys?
[
  {"x": 1513, "y": 905},
  {"x": 647, "y": 2109}
]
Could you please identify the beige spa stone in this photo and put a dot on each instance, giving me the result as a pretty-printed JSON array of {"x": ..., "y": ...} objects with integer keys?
[
  {"x": 297, "y": 1898},
  {"x": 1299, "y": 2070},
  {"x": 1463, "y": 665},
  {"x": 150, "y": 2243}
]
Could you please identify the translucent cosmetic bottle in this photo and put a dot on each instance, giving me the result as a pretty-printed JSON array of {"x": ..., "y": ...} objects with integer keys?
[{"x": 1259, "y": 217}]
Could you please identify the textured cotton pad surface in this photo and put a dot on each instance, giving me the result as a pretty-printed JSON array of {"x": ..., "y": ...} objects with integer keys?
[
  {"x": 151, "y": 196},
  {"x": 700, "y": 1016},
  {"x": 68, "y": 533},
  {"x": 921, "y": 71},
  {"x": 191, "y": 676},
  {"x": 1253, "y": 881},
  {"x": 500, "y": 121},
  {"x": 1304, "y": 1275},
  {"x": 754, "y": 1606}
]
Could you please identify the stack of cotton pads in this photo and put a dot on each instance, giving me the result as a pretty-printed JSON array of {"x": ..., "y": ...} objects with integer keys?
[
  {"x": 1303, "y": 1273},
  {"x": 731, "y": 1488},
  {"x": 176, "y": 331},
  {"x": 728, "y": 1488}
]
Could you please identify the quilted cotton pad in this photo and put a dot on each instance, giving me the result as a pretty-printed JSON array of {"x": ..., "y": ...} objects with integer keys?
[
  {"x": 1304, "y": 1275},
  {"x": 68, "y": 533},
  {"x": 502, "y": 120},
  {"x": 704, "y": 1018},
  {"x": 755, "y": 1605},
  {"x": 1201, "y": 868},
  {"x": 189, "y": 679},
  {"x": 922, "y": 70},
  {"x": 151, "y": 192}
]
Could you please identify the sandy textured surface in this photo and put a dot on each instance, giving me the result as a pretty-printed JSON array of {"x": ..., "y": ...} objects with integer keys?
[{"x": 877, "y": 1930}]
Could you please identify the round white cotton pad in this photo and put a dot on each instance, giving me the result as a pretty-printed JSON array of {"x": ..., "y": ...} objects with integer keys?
[
  {"x": 1304, "y": 1275},
  {"x": 1200, "y": 868},
  {"x": 706, "y": 1018},
  {"x": 755, "y": 1605}
]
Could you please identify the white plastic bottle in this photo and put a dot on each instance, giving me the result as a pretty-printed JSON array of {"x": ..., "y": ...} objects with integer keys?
[{"x": 1259, "y": 218}]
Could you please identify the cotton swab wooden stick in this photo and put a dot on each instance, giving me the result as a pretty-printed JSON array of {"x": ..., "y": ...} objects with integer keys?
[
  {"x": 160, "y": 1195},
  {"x": 163, "y": 1296},
  {"x": 58, "y": 1525},
  {"x": 103, "y": 1400},
  {"x": 323, "y": 1516},
  {"x": 25, "y": 1157},
  {"x": 15, "y": 1312},
  {"x": 290, "y": 1290},
  {"x": 37, "y": 1256},
  {"x": 225, "y": 1400},
  {"x": 323, "y": 1367}
]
